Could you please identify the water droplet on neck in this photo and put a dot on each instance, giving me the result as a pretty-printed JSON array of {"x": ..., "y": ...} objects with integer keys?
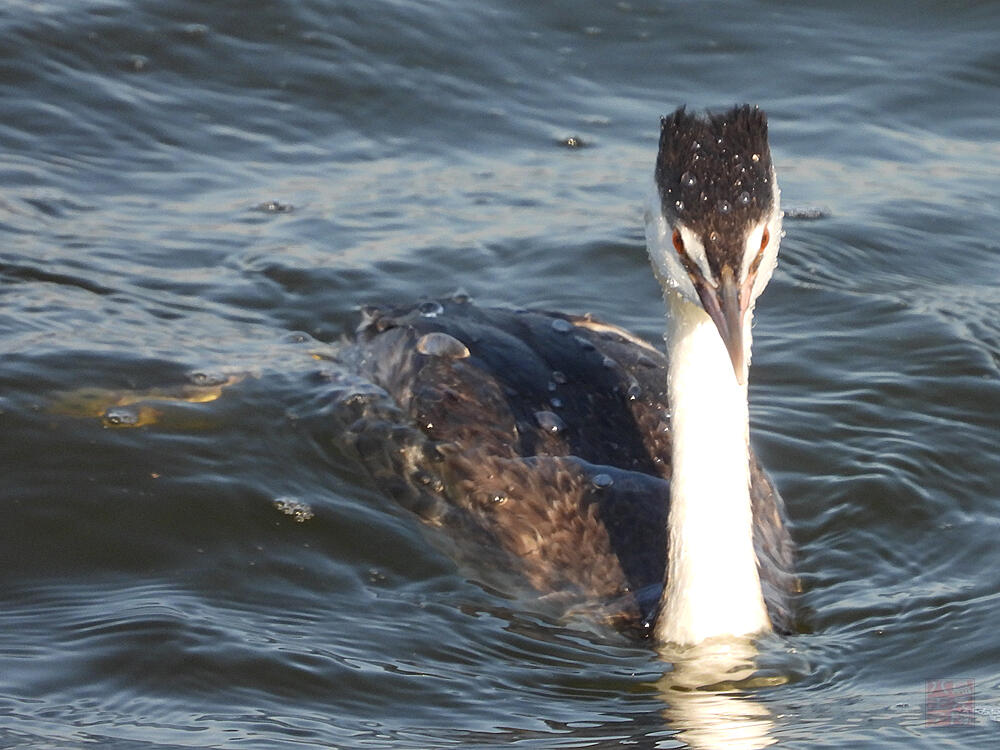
[
  {"x": 755, "y": 157},
  {"x": 725, "y": 207},
  {"x": 744, "y": 198},
  {"x": 688, "y": 179},
  {"x": 679, "y": 205}
]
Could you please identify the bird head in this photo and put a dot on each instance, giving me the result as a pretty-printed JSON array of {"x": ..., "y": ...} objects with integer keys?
[{"x": 714, "y": 221}]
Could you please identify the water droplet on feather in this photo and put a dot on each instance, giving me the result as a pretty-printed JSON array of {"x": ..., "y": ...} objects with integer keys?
[
  {"x": 550, "y": 421},
  {"x": 602, "y": 481},
  {"x": 430, "y": 309},
  {"x": 561, "y": 325},
  {"x": 439, "y": 344}
]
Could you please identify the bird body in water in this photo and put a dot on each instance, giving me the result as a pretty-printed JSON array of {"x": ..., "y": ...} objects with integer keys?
[{"x": 591, "y": 460}]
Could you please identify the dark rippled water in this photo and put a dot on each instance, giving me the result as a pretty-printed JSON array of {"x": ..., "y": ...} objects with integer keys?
[{"x": 196, "y": 195}]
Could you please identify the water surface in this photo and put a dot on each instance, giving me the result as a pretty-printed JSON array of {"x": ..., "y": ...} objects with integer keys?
[{"x": 197, "y": 193}]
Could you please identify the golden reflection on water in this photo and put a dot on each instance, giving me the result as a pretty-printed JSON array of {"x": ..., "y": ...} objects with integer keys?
[{"x": 135, "y": 408}]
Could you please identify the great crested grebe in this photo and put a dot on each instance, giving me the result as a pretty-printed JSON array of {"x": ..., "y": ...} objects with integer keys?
[{"x": 594, "y": 462}]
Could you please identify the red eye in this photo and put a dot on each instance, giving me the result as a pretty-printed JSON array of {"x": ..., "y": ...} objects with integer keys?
[
  {"x": 752, "y": 271},
  {"x": 679, "y": 243}
]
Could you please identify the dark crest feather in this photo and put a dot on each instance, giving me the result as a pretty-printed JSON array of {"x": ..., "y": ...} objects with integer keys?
[{"x": 714, "y": 174}]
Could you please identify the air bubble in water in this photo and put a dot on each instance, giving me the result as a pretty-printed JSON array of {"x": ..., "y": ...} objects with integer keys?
[
  {"x": 295, "y": 508},
  {"x": 206, "y": 379},
  {"x": 121, "y": 416}
]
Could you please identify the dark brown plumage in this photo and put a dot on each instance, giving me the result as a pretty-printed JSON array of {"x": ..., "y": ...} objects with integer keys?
[{"x": 546, "y": 435}]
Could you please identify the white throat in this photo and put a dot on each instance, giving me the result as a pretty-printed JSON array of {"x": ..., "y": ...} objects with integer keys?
[{"x": 712, "y": 587}]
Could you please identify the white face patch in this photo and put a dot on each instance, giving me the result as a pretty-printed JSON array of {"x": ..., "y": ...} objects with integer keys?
[
  {"x": 667, "y": 266},
  {"x": 751, "y": 249},
  {"x": 769, "y": 259},
  {"x": 696, "y": 251},
  {"x": 670, "y": 270}
]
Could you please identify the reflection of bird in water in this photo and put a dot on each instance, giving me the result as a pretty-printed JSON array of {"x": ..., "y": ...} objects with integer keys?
[
  {"x": 709, "y": 695},
  {"x": 583, "y": 453}
]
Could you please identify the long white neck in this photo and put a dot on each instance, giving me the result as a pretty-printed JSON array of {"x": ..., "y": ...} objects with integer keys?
[{"x": 712, "y": 585}]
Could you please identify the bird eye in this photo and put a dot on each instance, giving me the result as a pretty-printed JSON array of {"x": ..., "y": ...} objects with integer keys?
[
  {"x": 764, "y": 239},
  {"x": 689, "y": 265},
  {"x": 679, "y": 243}
]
